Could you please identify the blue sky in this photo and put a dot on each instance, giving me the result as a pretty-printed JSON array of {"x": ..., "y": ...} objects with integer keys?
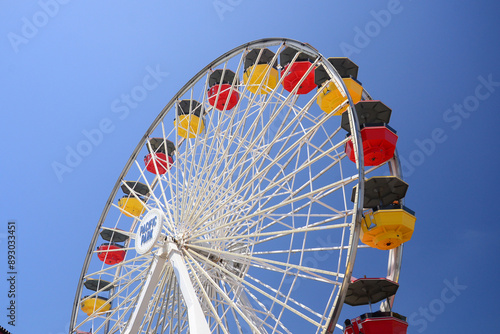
[{"x": 66, "y": 72}]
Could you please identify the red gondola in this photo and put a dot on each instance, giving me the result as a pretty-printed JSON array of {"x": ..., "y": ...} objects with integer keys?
[
  {"x": 377, "y": 323},
  {"x": 330, "y": 97},
  {"x": 379, "y": 145},
  {"x": 295, "y": 74},
  {"x": 111, "y": 253},
  {"x": 296, "y": 71},
  {"x": 365, "y": 291},
  {"x": 159, "y": 159},
  {"x": 158, "y": 163},
  {"x": 220, "y": 94},
  {"x": 379, "y": 139}
]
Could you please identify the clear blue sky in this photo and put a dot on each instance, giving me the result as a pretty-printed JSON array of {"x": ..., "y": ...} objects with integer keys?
[{"x": 65, "y": 66}]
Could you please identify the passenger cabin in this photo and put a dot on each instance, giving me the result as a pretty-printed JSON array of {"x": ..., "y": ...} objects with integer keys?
[
  {"x": 98, "y": 285},
  {"x": 223, "y": 92},
  {"x": 189, "y": 121},
  {"x": 388, "y": 227},
  {"x": 297, "y": 71},
  {"x": 111, "y": 253},
  {"x": 377, "y": 323},
  {"x": 387, "y": 223},
  {"x": 160, "y": 157},
  {"x": 378, "y": 138},
  {"x": 367, "y": 291},
  {"x": 331, "y": 98},
  {"x": 90, "y": 304},
  {"x": 113, "y": 235},
  {"x": 97, "y": 305},
  {"x": 132, "y": 204},
  {"x": 261, "y": 75}
]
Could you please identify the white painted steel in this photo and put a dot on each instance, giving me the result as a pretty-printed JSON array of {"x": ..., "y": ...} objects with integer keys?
[
  {"x": 258, "y": 217},
  {"x": 147, "y": 290},
  {"x": 197, "y": 322}
]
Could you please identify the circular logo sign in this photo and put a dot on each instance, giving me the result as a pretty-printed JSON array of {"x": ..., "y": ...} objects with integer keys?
[{"x": 149, "y": 230}]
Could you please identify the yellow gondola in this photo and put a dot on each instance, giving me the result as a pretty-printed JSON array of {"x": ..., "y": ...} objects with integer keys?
[
  {"x": 260, "y": 72},
  {"x": 388, "y": 224},
  {"x": 189, "y": 122},
  {"x": 330, "y": 96},
  {"x": 387, "y": 228},
  {"x": 91, "y": 305},
  {"x": 131, "y": 206}
]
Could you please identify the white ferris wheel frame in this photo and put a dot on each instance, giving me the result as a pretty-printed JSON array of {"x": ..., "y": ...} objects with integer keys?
[{"x": 170, "y": 252}]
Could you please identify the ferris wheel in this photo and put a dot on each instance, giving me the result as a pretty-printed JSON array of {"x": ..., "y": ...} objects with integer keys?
[{"x": 242, "y": 207}]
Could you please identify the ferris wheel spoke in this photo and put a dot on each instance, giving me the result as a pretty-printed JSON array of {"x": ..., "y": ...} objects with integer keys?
[
  {"x": 207, "y": 299},
  {"x": 265, "y": 170},
  {"x": 273, "y": 208},
  {"x": 188, "y": 170},
  {"x": 268, "y": 263},
  {"x": 262, "y": 292},
  {"x": 308, "y": 182},
  {"x": 121, "y": 308},
  {"x": 171, "y": 182},
  {"x": 286, "y": 297},
  {"x": 274, "y": 234},
  {"x": 265, "y": 312},
  {"x": 238, "y": 167},
  {"x": 295, "y": 212},
  {"x": 217, "y": 165},
  {"x": 271, "y": 238},
  {"x": 328, "y": 140},
  {"x": 253, "y": 312},
  {"x": 252, "y": 128},
  {"x": 151, "y": 186},
  {"x": 242, "y": 204},
  {"x": 286, "y": 179},
  {"x": 167, "y": 293},
  {"x": 169, "y": 307},
  {"x": 305, "y": 250},
  {"x": 220, "y": 291},
  {"x": 298, "y": 122},
  {"x": 171, "y": 302},
  {"x": 233, "y": 313},
  {"x": 218, "y": 129},
  {"x": 271, "y": 234},
  {"x": 316, "y": 277},
  {"x": 158, "y": 298},
  {"x": 125, "y": 263}
]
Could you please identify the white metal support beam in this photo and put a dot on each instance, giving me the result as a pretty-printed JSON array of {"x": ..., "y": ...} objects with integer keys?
[
  {"x": 197, "y": 321},
  {"x": 146, "y": 293}
]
